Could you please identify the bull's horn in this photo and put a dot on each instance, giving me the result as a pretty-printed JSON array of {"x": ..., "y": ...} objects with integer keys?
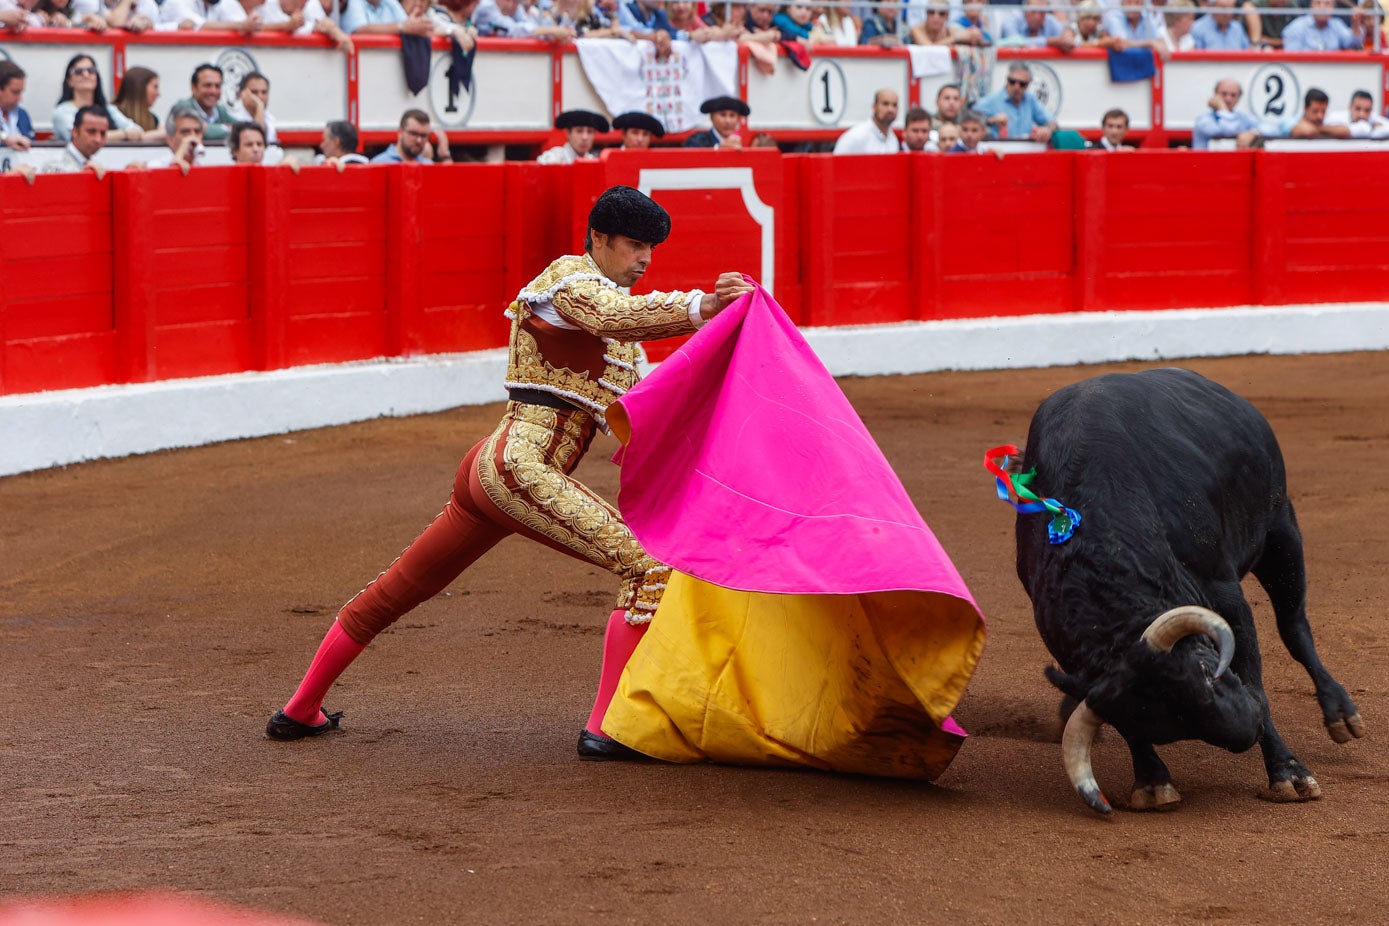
[
  {"x": 1164, "y": 632},
  {"x": 1075, "y": 751}
]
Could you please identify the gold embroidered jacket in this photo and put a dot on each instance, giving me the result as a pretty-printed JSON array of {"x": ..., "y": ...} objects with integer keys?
[{"x": 574, "y": 333}]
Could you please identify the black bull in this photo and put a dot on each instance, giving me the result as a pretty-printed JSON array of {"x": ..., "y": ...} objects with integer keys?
[{"x": 1182, "y": 492}]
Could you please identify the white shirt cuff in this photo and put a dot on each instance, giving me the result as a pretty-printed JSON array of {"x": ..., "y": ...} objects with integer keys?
[{"x": 696, "y": 297}]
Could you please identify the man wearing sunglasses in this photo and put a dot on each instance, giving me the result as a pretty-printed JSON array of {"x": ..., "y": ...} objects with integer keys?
[{"x": 1015, "y": 113}]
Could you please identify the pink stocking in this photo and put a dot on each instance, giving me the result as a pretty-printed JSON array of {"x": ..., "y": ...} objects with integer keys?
[
  {"x": 619, "y": 643},
  {"x": 335, "y": 654}
]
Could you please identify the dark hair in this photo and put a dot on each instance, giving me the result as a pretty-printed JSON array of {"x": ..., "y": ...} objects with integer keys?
[
  {"x": 1357, "y": 95},
  {"x": 241, "y": 128},
  {"x": 346, "y": 134},
  {"x": 205, "y": 67},
  {"x": 98, "y": 97},
  {"x": 130, "y": 98},
  {"x": 945, "y": 87},
  {"x": 415, "y": 115},
  {"x": 250, "y": 76},
  {"x": 95, "y": 112},
  {"x": 1115, "y": 114},
  {"x": 9, "y": 71},
  {"x": 1314, "y": 96},
  {"x": 916, "y": 114}
]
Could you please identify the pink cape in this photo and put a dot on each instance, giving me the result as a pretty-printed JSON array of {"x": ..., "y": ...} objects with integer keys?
[{"x": 745, "y": 468}]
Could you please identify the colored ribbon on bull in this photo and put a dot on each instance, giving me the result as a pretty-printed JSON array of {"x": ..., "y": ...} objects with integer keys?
[{"x": 1014, "y": 488}]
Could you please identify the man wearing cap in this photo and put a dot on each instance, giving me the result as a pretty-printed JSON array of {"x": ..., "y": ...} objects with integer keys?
[
  {"x": 724, "y": 112},
  {"x": 574, "y": 334},
  {"x": 581, "y": 125},
  {"x": 638, "y": 129}
]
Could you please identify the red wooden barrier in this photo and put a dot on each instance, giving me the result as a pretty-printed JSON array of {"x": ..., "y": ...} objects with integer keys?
[{"x": 150, "y": 275}]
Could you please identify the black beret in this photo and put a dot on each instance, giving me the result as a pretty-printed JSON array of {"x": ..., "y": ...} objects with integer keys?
[
  {"x": 622, "y": 210},
  {"x": 640, "y": 121},
  {"x": 720, "y": 103},
  {"x": 573, "y": 118}
]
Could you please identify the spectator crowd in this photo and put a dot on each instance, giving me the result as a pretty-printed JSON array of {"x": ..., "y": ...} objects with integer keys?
[{"x": 963, "y": 120}]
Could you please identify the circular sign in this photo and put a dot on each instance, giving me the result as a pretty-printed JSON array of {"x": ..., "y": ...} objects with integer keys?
[
  {"x": 828, "y": 92},
  {"x": 1274, "y": 93},
  {"x": 451, "y": 103},
  {"x": 1046, "y": 87},
  {"x": 235, "y": 64}
]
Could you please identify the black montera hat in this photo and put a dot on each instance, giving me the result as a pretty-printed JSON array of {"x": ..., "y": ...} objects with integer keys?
[
  {"x": 573, "y": 118},
  {"x": 720, "y": 103},
  {"x": 622, "y": 210},
  {"x": 640, "y": 121}
]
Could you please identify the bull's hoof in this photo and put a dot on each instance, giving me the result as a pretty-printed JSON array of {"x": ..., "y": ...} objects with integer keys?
[
  {"x": 1289, "y": 791},
  {"x": 1347, "y": 729},
  {"x": 1155, "y": 797}
]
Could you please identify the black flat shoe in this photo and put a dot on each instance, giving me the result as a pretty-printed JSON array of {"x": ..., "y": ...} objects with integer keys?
[
  {"x": 597, "y": 747},
  {"x": 284, "y": 727}
]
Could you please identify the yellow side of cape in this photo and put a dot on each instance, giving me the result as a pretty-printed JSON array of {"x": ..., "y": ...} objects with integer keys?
[{"x": 847, "y": 683}]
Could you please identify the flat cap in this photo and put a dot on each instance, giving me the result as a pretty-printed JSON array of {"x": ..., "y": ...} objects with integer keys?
[
  {"x": 623, "y": 210},
  {"x": 636, "y": 120},
  {"x": 721, "y": 103},
  {"x": 574, "y": 118}
]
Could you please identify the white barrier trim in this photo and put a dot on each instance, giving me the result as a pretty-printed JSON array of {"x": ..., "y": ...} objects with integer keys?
[{"x": 69, "y": 426}]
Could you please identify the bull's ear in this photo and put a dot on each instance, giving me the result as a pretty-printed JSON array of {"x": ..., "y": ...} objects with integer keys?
[{"x": 1069, "y": 684}]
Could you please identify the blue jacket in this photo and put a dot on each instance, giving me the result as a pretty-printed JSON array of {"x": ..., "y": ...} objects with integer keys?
[{"x": 26, "y": 128}]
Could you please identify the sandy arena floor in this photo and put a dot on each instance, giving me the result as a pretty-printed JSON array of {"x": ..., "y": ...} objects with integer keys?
[{"x": 156, "y": 610}]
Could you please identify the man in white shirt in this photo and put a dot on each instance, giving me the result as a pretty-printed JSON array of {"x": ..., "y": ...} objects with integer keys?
[
  {"x": 1361, "y": 118},
  {"x": 874, "y": 136},
  {"x": 224, "y": 15},
  {"x": 89, "y": 128}
]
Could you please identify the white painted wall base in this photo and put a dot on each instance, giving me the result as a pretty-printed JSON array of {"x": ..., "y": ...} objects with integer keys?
[{"x": 57, "y": 428}]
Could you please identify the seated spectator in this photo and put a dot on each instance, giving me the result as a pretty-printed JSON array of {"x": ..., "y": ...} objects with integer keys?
[
  {"x": 835, "y": 26},
  {"x": 1266, "y": 28},
  {"x": 1218, "y": 30},
  {"x": 216, "y": 15},
  {"x": 206, "y": 100},
  {"x": 1318, "y": 30},
  {"x": 645, "y": 18},
  {"x": 252, "y": 102},
  {"x": 950, "y": 100},
  {"x": 882, "y": 28},
  {"x": 88, "y": 137},
  {"x": 183, "y": 131},
  {"x": 1014, "y": 112},
  {"x": 1130, "y": 28},
  {"x": 580, "y": 127},
  {"x": 18, "y": 15},
  {"x": 590, "y": 22},
  {"x": 936, "y": 28},
  {"x": 16, "y": 129},
  {"x": 1224, "y": 120},
  {"x": 510, "y": 19},
  {"x": 684, "y": 16},
  {"x": 82, "y": 87},
  {"x": 638, "y": 129},
  {"x": 874, "y": 136},
  {"x": 1361, "y": 118},
  {"x": 246, "y": 142},
  {"x": 1178, "y": 18},
  {"x": 413, "y": 139},
  {"x": 947, "y": 137},
  {"x": 795, "y": 22},
  {"x": 1034, "y": 27},
  {"x": 54, "y": 13},
  {"x": 725, "y": 113},
  {"x": 139, "y": 91},
  {"x": 916, "y": 129},
  {"x": 1313, "y": 123},
  {"x": 383, "y": 17},
  {"x": 971, "y": 134},
  {"x": 339, "y": 145},
  {"x": 100, "y": 15},
  {"x": 972, "y": 25},
  {"x": 299, "y": 17},
  {"x": 1114, "y": 128},
  {"x": 1089, "y": 31}
]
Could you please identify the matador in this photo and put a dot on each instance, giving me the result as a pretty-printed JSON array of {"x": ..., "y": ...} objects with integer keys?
[{"x": 573, "y": 351}]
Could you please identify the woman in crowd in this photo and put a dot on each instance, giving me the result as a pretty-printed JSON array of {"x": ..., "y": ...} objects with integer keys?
[
  {"x": 1178, "y": 16},
  {"x": 936, "y": 28},
  {"x": 139, "y": 90},
  {"x": 837, "y": 26},
  {"x": 82, "y": 87},
  {"x": 795, "y": 22},
  {"x": 685, "y": 19}
]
